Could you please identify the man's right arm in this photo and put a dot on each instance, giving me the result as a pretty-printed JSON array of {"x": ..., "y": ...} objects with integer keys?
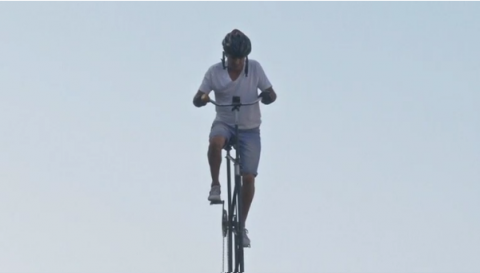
[
  {"x": 205, "y": 88},
  {"x": 197, "y": 99}
]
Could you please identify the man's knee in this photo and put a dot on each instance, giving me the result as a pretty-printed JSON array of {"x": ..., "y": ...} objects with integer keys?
[
  {"x": 249, "y": 178},
  {"x": 216, "y": 143}
]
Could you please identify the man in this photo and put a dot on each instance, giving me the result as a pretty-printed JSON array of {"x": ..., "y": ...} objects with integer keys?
[{"x": 238, "y": 76}]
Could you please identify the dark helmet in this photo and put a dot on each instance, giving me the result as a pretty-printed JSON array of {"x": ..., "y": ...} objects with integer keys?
[{"x": 237, "y": 44}]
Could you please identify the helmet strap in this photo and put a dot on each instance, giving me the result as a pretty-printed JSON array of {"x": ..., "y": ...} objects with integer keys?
[{"x": 223, "y": 60}]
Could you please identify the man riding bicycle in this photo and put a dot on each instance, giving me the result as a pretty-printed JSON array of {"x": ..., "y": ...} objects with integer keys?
[{"x": 236, "y": 75}]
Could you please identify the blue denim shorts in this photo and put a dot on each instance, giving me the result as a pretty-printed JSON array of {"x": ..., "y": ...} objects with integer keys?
[{"x": 249, "y": 145}]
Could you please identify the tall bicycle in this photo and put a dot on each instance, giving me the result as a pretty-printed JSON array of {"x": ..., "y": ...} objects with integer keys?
[{"x": 232, "y": 224}]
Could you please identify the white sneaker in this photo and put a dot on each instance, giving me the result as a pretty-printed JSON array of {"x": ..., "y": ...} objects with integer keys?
[
  {"x": 246, "y": 240},
  {"x": 215, "y": 194}
]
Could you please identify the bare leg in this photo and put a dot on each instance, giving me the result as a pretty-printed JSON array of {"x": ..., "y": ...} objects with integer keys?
[
  {"x": 215, "y": 158},
  {"x": 248, "y": 191}
]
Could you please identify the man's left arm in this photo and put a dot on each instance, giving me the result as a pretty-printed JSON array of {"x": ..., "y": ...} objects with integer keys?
[{"x": 268, "y": 94}]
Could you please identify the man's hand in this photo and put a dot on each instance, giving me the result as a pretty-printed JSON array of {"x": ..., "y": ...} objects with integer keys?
[
  {"x": 268, "y": 96},
  {"x": 205, "y": 98},
  {"x": 200, "y": 99}
]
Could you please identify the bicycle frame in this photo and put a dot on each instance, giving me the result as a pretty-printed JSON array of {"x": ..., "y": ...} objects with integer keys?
[{"x": 235, "y": 200}]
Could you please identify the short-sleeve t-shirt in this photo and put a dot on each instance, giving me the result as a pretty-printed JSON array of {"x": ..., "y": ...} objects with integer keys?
[{"x": 217, "y": 79}]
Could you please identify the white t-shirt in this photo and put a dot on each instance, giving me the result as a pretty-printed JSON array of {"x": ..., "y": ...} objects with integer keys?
[{"x": 217, "y": 79}]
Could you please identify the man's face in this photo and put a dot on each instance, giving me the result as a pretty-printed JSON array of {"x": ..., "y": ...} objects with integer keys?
[{"x": 235, "y": 63}]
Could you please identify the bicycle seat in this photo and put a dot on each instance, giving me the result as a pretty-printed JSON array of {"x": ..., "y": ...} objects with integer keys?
[{"x": 230, "y": 144}]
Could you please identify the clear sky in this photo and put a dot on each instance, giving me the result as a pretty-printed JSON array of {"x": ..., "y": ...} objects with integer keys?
[{"x": 370, "y": 158}]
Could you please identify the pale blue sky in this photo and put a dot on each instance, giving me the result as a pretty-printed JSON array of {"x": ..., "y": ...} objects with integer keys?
[{"x": 370, "y": 158}]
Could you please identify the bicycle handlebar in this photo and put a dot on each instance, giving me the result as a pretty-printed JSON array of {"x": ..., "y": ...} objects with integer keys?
[{"x": 234, "y": 103}]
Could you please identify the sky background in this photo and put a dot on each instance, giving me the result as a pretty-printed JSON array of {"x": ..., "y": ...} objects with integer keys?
[{"x": 370, "y": 157}]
